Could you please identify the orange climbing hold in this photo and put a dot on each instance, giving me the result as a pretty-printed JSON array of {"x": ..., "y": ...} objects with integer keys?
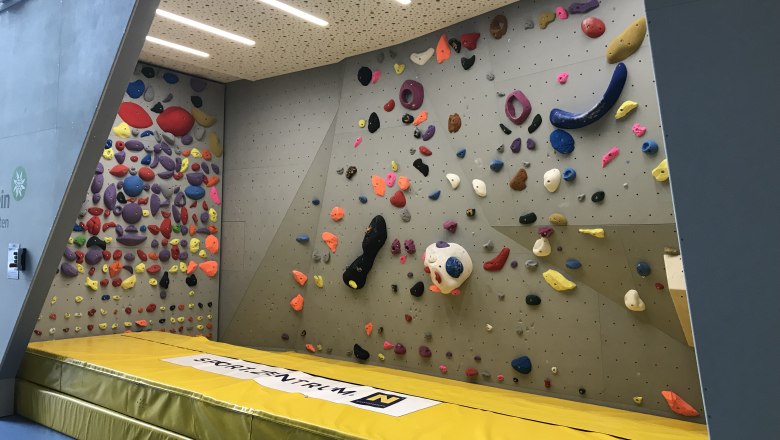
[
  {"x": 337, "y": 213},
  {"x": 212, "y": 180},
  {"x": 310, "y": 348},
  {"x": 678, "y": 405},
  {"x": 299, "y": 277},
  {"x": 115, "y": 268},
  {"x": 212, "y": 244},
  {"x": 379, "y": 185},
  {"x": 403, "y": 183},
  {"x": 331, "y": 240},
  {"x": 141, "y": 323},
  {"x": 422, "y": 117},
  {"x": 442, "y": 49},
  {"x": 297, "y": 304},
  {"x": 210, "y": 268},
  {"x": 206, "y": 154},
  {"x": 191, "y": 266},
  {"x": 369, "y": 328}
]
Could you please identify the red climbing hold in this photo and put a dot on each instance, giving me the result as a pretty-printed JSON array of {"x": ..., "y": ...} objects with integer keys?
[
  {"x": 390, "y": 105},
  {"x": 176, "y": 121},
  {"x": 95, "y": 210},
  {"x": 425, "y": 151},
  {"x": 398, "y": 199},
  {"x": 471, "y": 372},
  {"x": 141, "y": 255},
  {"x": 119, "y": 170},
  {"x": 498, "y": 262},
  {"x": 469, "y": 41},
  {"x": 93, "y": 225},
  {"x": 165, "y": 228},
  {"x": 146, "y": 174},
  {"x": 134, "y": 115}
]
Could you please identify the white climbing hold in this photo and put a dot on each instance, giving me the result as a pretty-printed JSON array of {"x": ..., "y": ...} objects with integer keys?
[
  {"x": 488, "y": 327},
  {"x": 542, "y": 247},
  {"x": 422, "y": 57},
  {"x": 479, "y": 187},
  {"x": 552, "y": 179},
  {"x": 633, "y": 301},
  {"x": 554, "y": 370},
  {"x": 454, "y": 180}
]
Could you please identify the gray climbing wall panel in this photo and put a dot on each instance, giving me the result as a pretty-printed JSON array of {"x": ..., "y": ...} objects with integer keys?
[
  {"x": 186, "y": 310},
  {"x": 588, "y": 334}
]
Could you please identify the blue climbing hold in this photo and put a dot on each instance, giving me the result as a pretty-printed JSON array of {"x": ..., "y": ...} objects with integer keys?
[
  {"x": 434, "y": 195},
  {"x": 569, "y": 174},
  {"x": 133, "y": 185},
  {"x": 77, "y": 228},
  {"x": 522, "y": 364},
  {"x": 170, "y": 78},
  {"x": 563, "y": 119},
  {"x": 315, "y": 201},
  {"x": 195, "y": 192},
  {"x": 454, "y": 267},
  {"x": 105, "y": 297},
  {"x": 496, "y": 165},
  {"x": 649, "y": 147},
  {"x": 135, "y": 89},
  {"x": 562, "y": 141},
  {"x": 461, "y": 153},
  {"x": 147, "y": 133},
  {"x": 109, "y": 143},
  {"x": 146, "y": 160},
  {"x": 363, "y": 199},
  {"x": 573, "y": 263},
  {"x": 643, "y": 269},
  {"x": 142, "y": 228},
  {"x": 303, "y": 238}
]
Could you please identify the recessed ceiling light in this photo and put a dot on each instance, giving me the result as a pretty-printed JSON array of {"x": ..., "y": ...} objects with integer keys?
[
  {"x": 404, "y": 2},
  {"x": 296, "y": 12},
  {"x": 204, "y": 27},
  {"x": 177, "y": 46}
]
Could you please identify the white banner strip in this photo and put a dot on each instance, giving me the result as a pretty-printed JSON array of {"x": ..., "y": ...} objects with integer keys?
[{"x": 291, "y": 381}]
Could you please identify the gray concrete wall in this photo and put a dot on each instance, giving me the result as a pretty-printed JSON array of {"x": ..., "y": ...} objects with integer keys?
[
  {"x": 717, "y": 89},
  {"x": 65, "y": 64},
  {"x": 289, "y": 137}
]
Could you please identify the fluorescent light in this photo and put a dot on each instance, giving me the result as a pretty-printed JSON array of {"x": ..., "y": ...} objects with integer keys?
[
  {"x": 177, "y": 46},
  {"x": 296, "y": 12},
  {"x": 404, "y": 2},
  {"x": 205, "y": 27}
]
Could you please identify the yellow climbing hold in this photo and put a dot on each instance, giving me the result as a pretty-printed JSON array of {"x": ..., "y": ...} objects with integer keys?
[
  {"x": 145, "y": 212},
  {"x": 318, "y": 281},
  {"x": 196, "y": 153},
  {"x": 558, "y": 219},
  {"x": 661, "y": 172},
  {"x": 180, "y": 319},
  {"x": 199, "y": 327},
  {"x": 213, "y": 215},
  {"x": 175, "y": 242},
  {"x": 185, "y": 163},
  {"x": 80, "y": 268},
  {"x": 624, "y": 109},
  {"x": 182, "y": 267},
  {"x": 381, "y": 356},
  {"x": 102, "y": 326},
  {"x": 214, "y": 145},
  {"x": 399, "y": 68},
  {"x": 352, "y": 284},
  {"x": 116, "y": 297},
  {"x": 92, "y": 284},
  {"x": 202, "y": 253},
  {"x": 199, "y": 318},
  {"x": 194, "y": 245},
  {"x": 108, "y": 240},
  {"x": 122, "y": 130},
  {"x": 152, "y": 282},
  {"x": 115, "y": 326},
  {"x": 140, "y": 268},
  {"x": 202, "y": 118},
  {"x": 362, "y": 123},
  {"x": 191, "y": 293},
  {"x": 597, "y": 232},
  {"x": 70, "y": 240},
  {"x": 105, "y": 268},
  {"x": 129, "y": 282},
  {"x": 173, "y": 319},
  {"x": 78, "y": 299},
  {"x": 173, "y": 269},
  {"x": 67, "y": 315},
  {"x": 191, "y": 305},
  {"x": 128, "y": 324},
  {"x": 108, "y": 154},
  {"x": 627, "y": 42},
  {"x": 394, "y": 166},
  {"x": 638, "y": 400},
  {"x": 557, "y": 281},
  {"x": 103, "y": 312},
  {"x": 53, "y": 300}
]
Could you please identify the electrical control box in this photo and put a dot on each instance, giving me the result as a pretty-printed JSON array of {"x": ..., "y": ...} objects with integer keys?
[{"x": 17, "y": 260}]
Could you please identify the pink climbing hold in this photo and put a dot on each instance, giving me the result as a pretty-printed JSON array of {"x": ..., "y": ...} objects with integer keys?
[
  {"x": 390, "y": 179},
  {"x": 375, "y": 76},
  {"x": 607, "y": 158},
  {"x": 402, "y": 259},
  {"x": 561, "y": 13},
  {"x": 387, "y": 345},
  {"x": 563, "y": 77},
  {"x": 639, "y": 130},
  {"x": 443, "y": 369},
  {"x": 358, "y": 141},
  {"x": 215, "y": 195}
]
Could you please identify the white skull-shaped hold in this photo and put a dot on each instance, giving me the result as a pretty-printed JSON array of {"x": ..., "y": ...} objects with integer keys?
[{"x": 449, "y": 265}]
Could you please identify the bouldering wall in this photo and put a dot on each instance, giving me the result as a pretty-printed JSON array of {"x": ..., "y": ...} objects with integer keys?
[
  {"x": 612, "y": 338},
  {"x": 144, "y": 251}
]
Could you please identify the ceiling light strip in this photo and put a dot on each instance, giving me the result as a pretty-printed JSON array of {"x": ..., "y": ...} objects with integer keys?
[
  {"x": 296, "y": 12},
  {"x": 404, "y": 2},
  {"x": 204, "y": 27},
  {"x": 177, "y": 46}
]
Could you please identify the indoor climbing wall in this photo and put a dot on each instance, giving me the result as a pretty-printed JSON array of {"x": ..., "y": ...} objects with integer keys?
[
  {"x": 144, "y": 252},
  {"x": 533, "y": 141}
]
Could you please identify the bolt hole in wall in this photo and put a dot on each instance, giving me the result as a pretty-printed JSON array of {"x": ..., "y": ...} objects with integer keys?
[{"x": 579, "y": 201}]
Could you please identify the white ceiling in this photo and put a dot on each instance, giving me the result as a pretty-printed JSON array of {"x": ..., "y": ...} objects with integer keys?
[{"x": 288, "y": 44}]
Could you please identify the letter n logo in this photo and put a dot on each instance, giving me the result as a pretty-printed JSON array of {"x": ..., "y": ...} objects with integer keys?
[{"x": 379, "y": 400}]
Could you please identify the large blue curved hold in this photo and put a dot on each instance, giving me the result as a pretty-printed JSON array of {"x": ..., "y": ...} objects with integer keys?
[{"x": 563, "y": 119}]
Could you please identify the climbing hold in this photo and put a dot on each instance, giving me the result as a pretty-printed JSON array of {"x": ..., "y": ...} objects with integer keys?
[
  {"x": 496, "y": 165},
  {"x": 424, "y": 150},
  {"x": 509, "y": 107},
  {"x": 611, "y": 155},
  {"x": 418, "y": 289},
  {"x": 649, "y": 147},
  {"x": 421, "y": 58},
  {"x": 356, "y": 273},
  {"x": 500, "y": 148},
  {"x": 368, "y": 328},
  {"x": 593, "y": 27},
  {"x": 449, "y": 266},
  {"x": 337, "y": 213},
  {"x": 360, "y": 352},
  {"x": 429, "y": 132},
  {"x": 517, "y": 182},
  {"x": 558, "y": 219},
  {"x": 573, "y": 263},
  {"x": 557, "y": 281},
  {"x": 581, "y": 8},
  {"x": 498, "y": 26},
  {"x": 597, "y": 197},
  {"x": 202, "y": 118},
  {"x": 358, "y": 141},
  {"x": 479, "y": 187},
  {"x": 403, "y": 183},
  {"x": 394, "y": 165},
  {"x": 638, "y": 400},
  {"x": 122, "y": 130},
  {"x": 434, "y": 195},
  {"x": 504, "y": 129},
  {"x": 627, "y": 42},
  {"x": 533, "y": 300},
  {"x": 170, "y": 78},
  {"x": 363, "y": 199},
  {"x": 639, "y": 130},
  {"x": 531, "y": 264},
  {"x": 135, "y": 89},
  {"x": 379, "y": 185},
  {"x": 497, "y": 263},
  {"x": 569, "y": 174},
  {"x": 134, "y": 115},
  {"x": 522, "y": 364},
  {"x": 297, "y": 303},
  {"x": 461, "y": 153},
  {"x": 421, "y": 167},
  {"x": 454, "y": 44},
  {"x": 542, "y": 247},
  {"x": 528, "y": 219},
  {"x": 552, "y": 179},
  {"x": 561, "y": 13},
  {"x": 351, "y": 171},
  {"x": 678, "y": 405},
  {"x": 318, "y": 281},
  {"x": 175, "y": 120},
  {"x": 598, "y": 232},
  {"x": 399, "y": 68},
  {"x": 331, "y": 240},
  {"x": 450, "y": 225},
  {"x": 299, "y": 277},
  {"x": 443, "y": 369},
  {"x": 625, "y": 108},
  {"x": 442, "y": 49},
  {"x": 468, "y": 62},
  {"x": 643, "y": 269},
  {"x": 373, "y": 122},
  {"x": 399, "y": 349},
  {"x": 661, "y": 172},
  {"x": 564, "y": 119},
  {"x": 562, "y": 77},
  {"x": 454, "y": 180},
  {"x": 453, "y": 123},
  {"x": 516, "y": 145},
  {"x": 398, "y": 199},
  {"x": 545, "y": 19},
  {"x": 562, "y": 141},
  {"x": 364, "y": 76},
  {"x": 537, "y": 121},
  {"x": 422, "y": 117},
  {"x": 303, "y": 238},
  {"x": 633, "y": 301}
]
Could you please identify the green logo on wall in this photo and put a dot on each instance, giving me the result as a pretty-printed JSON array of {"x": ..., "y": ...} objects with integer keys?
[{"x": 19, "y": 183}]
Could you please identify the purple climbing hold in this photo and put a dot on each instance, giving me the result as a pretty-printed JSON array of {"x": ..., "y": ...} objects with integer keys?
[
  {"x": 129, "y": 257},
  {"x": 395, "y": 247},
  {"x": 179, "y": 200},
  {"x": 399, "y": 349},
  {"x": 97, "y": 184},
  {"x": 530, "y": 144},
  {"x": 215, "y": 168},
  {"x": 131, "y": 213},
  {"x": 410, "y": 247},
  {"x": 186, "y": 139},
  {"x": 154, "y": 204},
  {"x": 93, "y": 256},
  {"x": 119, "y": 156},
  {"x": 516, "y": 144},
  {"x": 176, "y": 215},
  {"x": 99, "y": 168},
  {"x": 204, "y": 217},
  {"x": 134, "y": 145},
  {"x": 131, "y": 239},
  {"x": 155, "y": 244},
  {"x": 165, "y": 175},
  {"x": 166, "y": 148},
  {"x": 69, "y": 254},
  {"x": 197, "y": 84},
  {"x": 168, "y": 98},
  {"x": 68, "y": 270},
  {"x": 205, "y": 167},
  {"x": 164, "y": 255},
  {"x": 424, "y": 351},
  {"x": 451, "y": 226},
  {"x": 411, "y": 95},
  {"x": 195, "y": 179},
  {"x": 581, "y": 8},
  {"x": 167, "y": 163},
  {"x": 442, "y": 244},
  {"x": 429, "y": 132}
]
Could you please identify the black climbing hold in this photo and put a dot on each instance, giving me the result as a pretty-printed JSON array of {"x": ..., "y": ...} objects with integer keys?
[
  {"x": 394, "y": 288},
  {"x": 364, "y": 75},
  {"x": 597, "y": 197},
  {"x": 515, "y": 380},
  {"x": 381, "y": 330},
  {"x": 303, "y": 333},
  {"x": 200, "y": 305},
  {"x": 210, "y": 304},
  {"x": 535, "y": 123},
  {"x": 505, "y": 129},
  {"x": 421, "y": 167},
  {"x": 191, "y": 280},
  {"x": 455, "y": 44},
  {"x": 417, "y": 133},
  {"x": 148, "y": 72},
  {"x": 407, "y": 118},
  {"x": 158, "y": 108},
  {"x": 120, "y": 197},
  {"x": 351, "y": 170},
  {"x": 467, "y": 63},
  {"x": 361, "y": 353},
  {"x": 163, "y": 294},
  {"x": 533, "y": 300},
  {"x": 418, "y": 289},
  {"x": 448, "y": 354},
  {"x": 373, "y": 122},
  {"x": 285, "y": 337},
  {"x": 528, "y": 219},
  {"x": 582, "y": 391},
  {"x": 356, "y": 273},
  {"x": 196, "y": 101},
  {"x": 340, "y": 171},
  {"x": 94, "y": 241},
  {"x": 164, "y": 281},
  {"x": 162, "y": 321},
  {"x": 471, "y": 212}
]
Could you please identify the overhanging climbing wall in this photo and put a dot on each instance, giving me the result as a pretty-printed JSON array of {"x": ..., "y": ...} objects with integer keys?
[
  {"x": 144, "y": 252},
  {"x": 298, "y": 137}
]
